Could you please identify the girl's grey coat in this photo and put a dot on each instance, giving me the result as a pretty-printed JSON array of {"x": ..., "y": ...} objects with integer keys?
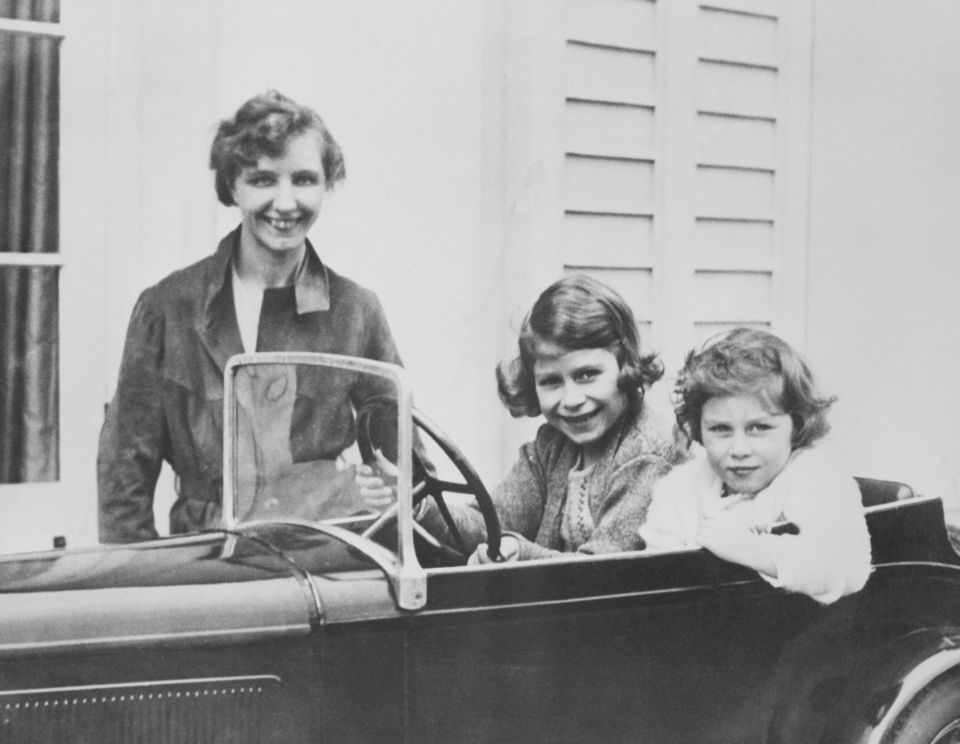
[{"x": 530, "y": 500}]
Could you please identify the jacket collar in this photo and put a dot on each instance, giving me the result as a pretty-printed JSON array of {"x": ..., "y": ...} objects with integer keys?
[
  {"x": 219, "y": 327},
  {"x": 311, "y": 285}
]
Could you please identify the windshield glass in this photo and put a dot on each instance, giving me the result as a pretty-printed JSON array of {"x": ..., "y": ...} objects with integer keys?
[{"x": 311, "y": 437}]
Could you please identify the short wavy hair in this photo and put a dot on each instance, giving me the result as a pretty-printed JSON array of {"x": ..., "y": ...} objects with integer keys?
[
  {"x": 264, "y": 126},
  {"x": 747, "y": 361},
  {"x": 574, "y": 313}
]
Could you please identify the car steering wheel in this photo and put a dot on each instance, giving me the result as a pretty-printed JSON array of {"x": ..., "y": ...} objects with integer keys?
[{"x": 370, "y": 430}]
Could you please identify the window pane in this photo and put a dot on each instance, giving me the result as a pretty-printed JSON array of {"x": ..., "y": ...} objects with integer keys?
[
  {"x": 31, "y": 10},
  {"x": 29, "y": 217},
  {"x": 29, "y": 137},
  {"x": 29, "y": 390}
]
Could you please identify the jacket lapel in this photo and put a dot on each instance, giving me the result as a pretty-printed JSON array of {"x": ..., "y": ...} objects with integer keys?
[{"x": 217, "y": 325}]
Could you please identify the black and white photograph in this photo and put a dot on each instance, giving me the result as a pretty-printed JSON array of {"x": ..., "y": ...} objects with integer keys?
[{"x": 481, "y": 371}]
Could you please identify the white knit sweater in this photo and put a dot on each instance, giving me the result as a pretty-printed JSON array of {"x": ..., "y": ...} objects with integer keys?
[{"x": 830, "y": 557}]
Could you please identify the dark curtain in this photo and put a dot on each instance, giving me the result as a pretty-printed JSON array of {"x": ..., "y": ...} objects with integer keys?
[{"x": 29, "y": 135}]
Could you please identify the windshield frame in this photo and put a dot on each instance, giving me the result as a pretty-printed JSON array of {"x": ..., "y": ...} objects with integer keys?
[{"x": 404, "y": 571}]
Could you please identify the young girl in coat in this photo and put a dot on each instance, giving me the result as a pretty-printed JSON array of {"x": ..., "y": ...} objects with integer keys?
[
  {"x": 583, "y": 485},
  {"x": 752, "y": 403}
]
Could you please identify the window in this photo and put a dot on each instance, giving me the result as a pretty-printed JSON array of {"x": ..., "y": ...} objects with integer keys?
[{"x": 30, "y": 35}]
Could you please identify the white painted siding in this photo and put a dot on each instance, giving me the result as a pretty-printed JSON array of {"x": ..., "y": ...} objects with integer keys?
[{"x": 682, "y": 127}]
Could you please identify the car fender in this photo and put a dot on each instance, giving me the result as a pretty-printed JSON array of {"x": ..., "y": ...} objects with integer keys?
[
  {"x": 943, "y": 658},
  {"x": 853, "y": 670}
]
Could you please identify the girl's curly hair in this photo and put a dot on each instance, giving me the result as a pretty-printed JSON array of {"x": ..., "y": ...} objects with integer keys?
[{"x": 746, "y": 361}]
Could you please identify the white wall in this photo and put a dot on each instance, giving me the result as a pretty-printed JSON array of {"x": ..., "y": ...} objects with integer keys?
[{"x": 884, "y": 261}]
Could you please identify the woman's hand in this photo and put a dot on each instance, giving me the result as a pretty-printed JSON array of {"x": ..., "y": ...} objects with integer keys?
[
  {"x": 377, "y": 487},
  {"x": 509, "y": 551}
]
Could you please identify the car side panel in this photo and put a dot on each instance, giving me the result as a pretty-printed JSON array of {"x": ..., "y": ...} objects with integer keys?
[
  {"x": 671, "y": 646},
  {"x": 600, "y": 650},
  {"x": 364, "y": 666},
  {"x": 635, "y": 656},
  {"x": 661, "y": 646}
]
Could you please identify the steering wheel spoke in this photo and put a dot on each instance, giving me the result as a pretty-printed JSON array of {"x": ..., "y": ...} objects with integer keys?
[{"x": 427, "y": 484}]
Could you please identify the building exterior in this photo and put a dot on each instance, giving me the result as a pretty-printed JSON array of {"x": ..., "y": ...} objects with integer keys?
[{"x": 788, "y": 165}]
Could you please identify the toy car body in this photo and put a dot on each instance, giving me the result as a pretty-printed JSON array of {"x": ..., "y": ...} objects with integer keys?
[{"x": 356, "y": 629}]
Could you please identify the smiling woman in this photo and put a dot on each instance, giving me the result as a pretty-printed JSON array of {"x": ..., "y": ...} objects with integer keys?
[
  {"x": 264, "y": 289},
  {"x": 279, "y": 199}
]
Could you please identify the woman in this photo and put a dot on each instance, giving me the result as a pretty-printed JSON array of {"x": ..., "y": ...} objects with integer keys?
[
  {"x": 264, "y": 289},
  {"x": 583, "y": 485}
]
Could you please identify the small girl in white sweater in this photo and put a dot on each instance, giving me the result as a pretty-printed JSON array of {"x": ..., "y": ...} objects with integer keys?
[{"x": 752, "y": 402}]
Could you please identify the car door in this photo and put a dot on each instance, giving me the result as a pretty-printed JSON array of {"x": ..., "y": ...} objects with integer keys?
[{"x": 674, "y": 646}]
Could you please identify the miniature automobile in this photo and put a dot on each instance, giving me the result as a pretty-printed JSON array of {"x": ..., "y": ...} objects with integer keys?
[{"x": 310, "y": 618}]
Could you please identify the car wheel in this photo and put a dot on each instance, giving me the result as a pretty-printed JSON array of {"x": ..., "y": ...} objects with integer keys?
[{"x": 932, "y": 717}]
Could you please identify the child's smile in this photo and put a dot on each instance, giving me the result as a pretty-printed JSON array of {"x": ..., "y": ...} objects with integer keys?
[
  {"x": 579, "y": 394},
  {"x": 582, "y": 420}
]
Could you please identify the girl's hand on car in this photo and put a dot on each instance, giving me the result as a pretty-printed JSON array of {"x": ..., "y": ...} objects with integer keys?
[
  {"x": 727, "y": 537},
  {"x": 722, "y": 536},
  {"x": 509, "y": 551}
]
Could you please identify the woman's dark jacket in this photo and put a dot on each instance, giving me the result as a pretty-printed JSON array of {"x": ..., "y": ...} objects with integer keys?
[{"x": 169, "y": 399}]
